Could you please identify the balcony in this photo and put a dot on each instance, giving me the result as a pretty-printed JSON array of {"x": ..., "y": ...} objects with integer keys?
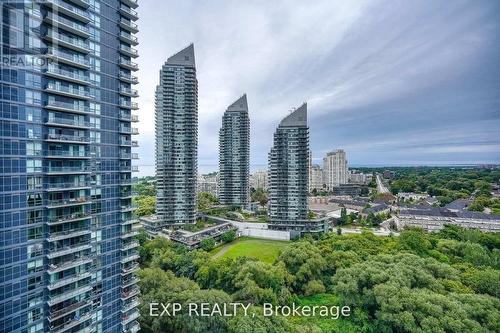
[
  {"x": 128, "y": 104},
  {"x": 71, "y": 323},
  {"x": 133, "y": 327},
  {"x": 128, "y": 13},
  {"x": 127, "y": 156},
  {"x": 67, "y": 170},
  {"x": 128, "y": 130},
  {"x": 68, "y": 202},
  {"x": 67, "y": 154},
  {"x": 129, "y": 281},
  {"x": 67, "y": 186},
  {"x": 128, "y": 64},
  {"x": 81, "y": 3},
  {"x": 127, "y": 37},
  {"x": 129, "y": 92},
  {"x": 128, "y": 234},
  {"x": 66, "y": 138},
  {"x": 68, "y": 25},
  {"x": 68, "y": 264},
  {"x": 76, "y": 44},
  {"x": 128, "y": 78},
  {"x": 129, "y": 222},
  {"x": 67, "y": 107},
  {"x": 55, "y": 220},
  {"x": 130, "y": 143},
  {"x": 130, "y": 304},
  {"x": 65, "y": 122},
  {"x": 134, "y": 291},
  {"x": 130, "y": 245},
  {"x": 128, "y": 25},
  {"x": 130, "y": 3},
  {"x": 129, "y": 51},
  {"x": 65, "y": 250},
  {"x": 130, "y": 317},
  {"x": 54, "y": 315},
  {"x": 69, "y": 10},
  {"x": 65, "y": 234},
  {"x": 129, "y": 168},
  {"x": 129, "y": 269},
  {"x": 68, "y": 91},
  {"x": 62, "y": 74},
  {"x": 129, "y": 258},
  {"x": 76, "y": 60}
]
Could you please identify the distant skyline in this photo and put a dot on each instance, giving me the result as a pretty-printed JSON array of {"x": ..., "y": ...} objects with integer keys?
[{"x": 392, "y": 83}]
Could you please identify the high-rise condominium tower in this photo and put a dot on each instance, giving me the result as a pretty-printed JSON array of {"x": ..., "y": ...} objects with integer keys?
[
  {"x": 335, "y": 171},
  {"x": 288, "y": 170},
  {"x": 234, "y": 155},
  {"x": 176, "y": 115},
  {"x": 66, "y": 225}
]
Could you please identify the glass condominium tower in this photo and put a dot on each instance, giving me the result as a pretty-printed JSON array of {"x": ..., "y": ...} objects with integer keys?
[
  {"x": 176, "y": 119},
  {"x": 288, "y": 171},
  {"x": 67, "y": 251},
  {"x": 234, "y": 155}
]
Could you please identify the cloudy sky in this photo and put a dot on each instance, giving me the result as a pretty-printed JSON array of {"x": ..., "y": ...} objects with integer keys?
[{"x": 391, "y": 82}]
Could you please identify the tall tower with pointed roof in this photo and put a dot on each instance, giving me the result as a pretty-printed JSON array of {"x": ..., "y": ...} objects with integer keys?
[
  {"x": 176, "y": 122},
  {"x": 288, "y": 171},
  {"x": 234, "y": 155}
]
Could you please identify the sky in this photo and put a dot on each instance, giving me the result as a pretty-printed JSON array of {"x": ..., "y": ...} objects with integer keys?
[{"x": 391, "y": 82}]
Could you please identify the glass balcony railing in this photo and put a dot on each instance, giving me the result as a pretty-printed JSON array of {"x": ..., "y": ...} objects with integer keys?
[
  {"x": 130, "y": 304},
  {"x": 67, "y": 138},
  {"x": 67, "y": 169},
  {"x": 67, "y": 75},
  {"x": 128, "y": 104},
  {"x": 129, "y": 50},
  {"x": 134, "y": 291},
  {"x": 65, "y": 250},
  {"x": 129, "y": 64},
  {"x": 66, "y": 24},
  {"x": 55, "y": 268},
  {"x": 67, "y": 153},
  {"x": 68, "y": 202},
  {"x": 66, "y": 121},
  {"x": 129, "y": 25},
  {"x": 129, "y": 91},
  {"x": 129, "y": 12},
  {"x": 68, "y": 90},
  {"x": 128, "y": 37},
  {"x": 64, "y": 234},
  {"x": 78, "y": 44},
  {"x": 128, "y": 78},
  {"x": 54, "y": 315},
  {"x": 70, "y": 10},
  {"x": 68, "y": 217},
  {"x": 67, "y": 185}
]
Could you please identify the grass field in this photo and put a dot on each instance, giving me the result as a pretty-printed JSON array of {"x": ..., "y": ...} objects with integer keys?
[{"x": 262, "y": 249}]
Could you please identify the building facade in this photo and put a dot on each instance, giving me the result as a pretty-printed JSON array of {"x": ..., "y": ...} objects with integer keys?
[
  {"x": 176, "y": 120},
  {"x": 66, "y": 225},
  {"x": 258, "y": 179},
  {"x": 209, "y": 183},
  {"x": 335, "y": 170},
  {"x": 288, "y": 170},
  {"x": 315, "y": 175},
  {"x": 234, "y": 155}
]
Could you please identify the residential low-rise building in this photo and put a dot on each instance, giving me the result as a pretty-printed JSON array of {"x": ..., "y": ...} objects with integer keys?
[{"x": 435, "y": 218}]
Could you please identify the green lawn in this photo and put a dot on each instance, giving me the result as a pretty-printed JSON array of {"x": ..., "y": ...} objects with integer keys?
[{"x": 262, "y": 249}]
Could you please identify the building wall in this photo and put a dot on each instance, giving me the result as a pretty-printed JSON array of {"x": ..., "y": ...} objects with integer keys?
[
  {"x": 234, "y": 155},
  {"x": 335, "y": 170},
  {"x": 176, "y": 118},
  {"x": 66, "y": 161}
]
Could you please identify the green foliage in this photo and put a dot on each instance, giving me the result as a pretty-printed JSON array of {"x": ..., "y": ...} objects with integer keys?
[
  {"x": 208, "y": 244},
  {"x": 447, "y": 281},
  {"x": 206, "y": 201},
  {"x": 228, "y": 236},
  {"x": 146, "y": 205},
  {"x": 145, "y": 187},
  {"x": 259, "y": 195}
]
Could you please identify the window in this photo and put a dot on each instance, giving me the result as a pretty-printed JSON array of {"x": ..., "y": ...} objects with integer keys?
[
  {"x": 33, "y": 80},
  {"x": 33, "y": 149},
  {"x": 33, "y": 165},
  {"x": 34, "y": 200},
  {"x": 35, "y": 250},
  {"x": 95, "y": 108},
  {"x": 35, "y": 216},
  {"x": 95, "y": 137},
  {"x": 35, "y": 233},
  {"x": 34, "y": 183},
  {"x": 33, "y": 97}
]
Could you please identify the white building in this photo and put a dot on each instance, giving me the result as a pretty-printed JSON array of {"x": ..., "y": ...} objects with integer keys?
[
  {"x": 209, "y": 183},
  {"x": 335, "y": 170},
  {"x": 258, "y": 179},
  {"x": 315, "y": 175}
]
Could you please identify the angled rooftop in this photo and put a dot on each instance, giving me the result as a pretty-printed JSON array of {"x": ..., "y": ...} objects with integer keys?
[
  {"x": 184, "y": 57},
  {"x": 239, "y": 105},
  {"x": 298, "y": 118}
]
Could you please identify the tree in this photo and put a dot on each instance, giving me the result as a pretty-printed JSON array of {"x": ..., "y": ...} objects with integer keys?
[
  {"x": 207, "y": 244},
  {"x": 206, "y": 201},
  {"x": 146, "y": 205},
  {"x": 228, "y": 236},
  {"x": 260, "y": 196}
]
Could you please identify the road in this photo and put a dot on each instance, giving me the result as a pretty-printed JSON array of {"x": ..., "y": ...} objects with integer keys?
[{"x": 381, "y": 188}]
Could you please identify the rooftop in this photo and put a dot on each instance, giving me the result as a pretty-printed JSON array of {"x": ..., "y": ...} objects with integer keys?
[{"x": 298, "y": 118}]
